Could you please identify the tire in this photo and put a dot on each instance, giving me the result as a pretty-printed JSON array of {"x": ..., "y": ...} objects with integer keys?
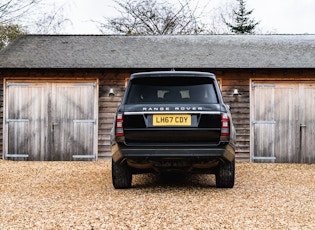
[
  {"x": 225, "y": 175},
  {"x": 121, "y": 175}
]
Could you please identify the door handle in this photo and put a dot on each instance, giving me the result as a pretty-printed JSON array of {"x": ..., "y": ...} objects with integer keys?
[
  {"x": 53, "y": 125},
  {"x": 302, "y": 125}
]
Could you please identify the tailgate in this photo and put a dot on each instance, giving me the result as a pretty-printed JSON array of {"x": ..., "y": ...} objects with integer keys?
[{"x": 172, "y": 128}]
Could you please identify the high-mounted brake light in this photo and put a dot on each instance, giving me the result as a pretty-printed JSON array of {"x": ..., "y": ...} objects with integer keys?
[
  {"x": 119, "y": 125},
  {"x": 225, "y": 127}
]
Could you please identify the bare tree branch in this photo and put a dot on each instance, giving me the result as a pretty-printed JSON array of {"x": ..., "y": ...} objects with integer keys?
[
  {"x": 12, "y": 10},
  {"x": 153, "y": 17},
  {"x": 51, "y": 22}
]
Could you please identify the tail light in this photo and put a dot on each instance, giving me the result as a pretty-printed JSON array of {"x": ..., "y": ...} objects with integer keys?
[
  {"x": 120, "y": 125},
  {"x": 225, "y": 125}
]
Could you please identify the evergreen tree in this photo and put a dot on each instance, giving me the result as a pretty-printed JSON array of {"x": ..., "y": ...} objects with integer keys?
[
  {"x": 8, "y": 33},
  {"x": 243, "y": 24}
]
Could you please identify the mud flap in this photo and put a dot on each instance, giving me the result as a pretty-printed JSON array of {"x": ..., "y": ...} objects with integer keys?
[
  {"x": 229, "y": 153},
  {"x": 116, "y": 153}
]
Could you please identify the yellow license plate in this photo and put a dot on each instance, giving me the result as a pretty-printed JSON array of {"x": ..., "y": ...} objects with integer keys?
[{"x": 171, "y": 120}]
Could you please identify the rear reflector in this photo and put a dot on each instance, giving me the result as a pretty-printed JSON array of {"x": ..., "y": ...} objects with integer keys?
[{"x": 225, "y": 128}]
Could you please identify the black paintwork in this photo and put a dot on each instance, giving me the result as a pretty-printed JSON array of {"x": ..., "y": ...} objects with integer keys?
[{"x": 195, "y": 147}]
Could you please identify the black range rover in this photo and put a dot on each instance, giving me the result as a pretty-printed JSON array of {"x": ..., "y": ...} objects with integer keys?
[{"x": 173, "y": 120}]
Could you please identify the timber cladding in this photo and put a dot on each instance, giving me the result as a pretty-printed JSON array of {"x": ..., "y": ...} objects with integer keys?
[
  {"x": 47, "y": 120},
  {"x": 58, "y": 114},
  {"x": 282, "y": 121},
  {"x": 108, "y": 105},
  {"x": 105, "y": 107},
  {"x": 290, "y": 137}
]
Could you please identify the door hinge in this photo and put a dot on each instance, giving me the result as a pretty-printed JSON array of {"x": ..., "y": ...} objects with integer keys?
[
  {"x": 8, "y": 84},
  {"x": 263, "y": 122},
  {"x": 253, "y": 85},
  {"x": 84, "y": 121},
  {"x": 16, "y": 120},
  {"x": 16, "y": 155},
  {"x": 263, "y": 158},
  {"x": 84, "y": 156},
  {"x": 86, "y": 84}
]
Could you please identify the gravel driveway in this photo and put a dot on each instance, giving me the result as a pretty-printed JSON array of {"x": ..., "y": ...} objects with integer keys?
[{"x": 79, "y": 195}]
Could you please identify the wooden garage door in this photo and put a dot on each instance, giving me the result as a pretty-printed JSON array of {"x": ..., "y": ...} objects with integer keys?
[
  {"x": 50, "y": 121},
  {"x": 282, "y": 122}
]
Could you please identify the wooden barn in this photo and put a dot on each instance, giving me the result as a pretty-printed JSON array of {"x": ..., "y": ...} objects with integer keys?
[{"x": 55, "y": 102}]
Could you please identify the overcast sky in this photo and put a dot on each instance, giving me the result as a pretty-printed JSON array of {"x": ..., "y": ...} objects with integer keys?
[{"x": 275, "y": 16}]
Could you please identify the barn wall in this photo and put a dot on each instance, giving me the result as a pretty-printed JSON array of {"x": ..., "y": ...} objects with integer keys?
[
  {"x": 240, "y": 107},
  {"x": 108, "y": 105},
  {"x": 240, "y": 110},
  {"x": 241, "y": 80},
  {"x": 116, "y": 79}
]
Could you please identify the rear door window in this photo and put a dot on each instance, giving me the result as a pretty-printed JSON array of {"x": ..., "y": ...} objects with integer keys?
[{"x": 177, "y": 90}]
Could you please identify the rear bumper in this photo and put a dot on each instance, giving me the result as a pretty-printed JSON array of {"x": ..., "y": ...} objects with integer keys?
[{"x": 224, "y": 152}]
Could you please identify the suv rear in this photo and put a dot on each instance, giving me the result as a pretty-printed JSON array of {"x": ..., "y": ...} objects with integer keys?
[{"x": 173, "y": 121}]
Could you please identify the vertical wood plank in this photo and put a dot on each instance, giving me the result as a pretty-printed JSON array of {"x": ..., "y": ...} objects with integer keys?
[{"x": 307, "y": 123}]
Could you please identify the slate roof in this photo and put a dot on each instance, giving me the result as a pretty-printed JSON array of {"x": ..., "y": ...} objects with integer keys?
[{"x": 178, "y": 51}]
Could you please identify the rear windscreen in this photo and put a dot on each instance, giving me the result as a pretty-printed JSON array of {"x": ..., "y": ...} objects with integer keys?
[{"x": 163, "y": 90}]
